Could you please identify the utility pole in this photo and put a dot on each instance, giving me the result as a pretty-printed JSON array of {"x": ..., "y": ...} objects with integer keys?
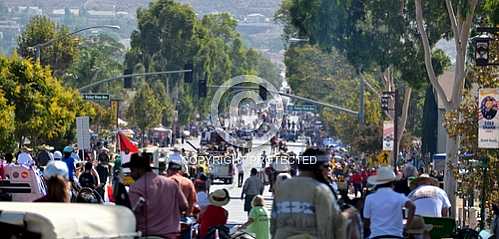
[
  {"x": 396, "y": 129},
  {"x": 362, "y": 104}
]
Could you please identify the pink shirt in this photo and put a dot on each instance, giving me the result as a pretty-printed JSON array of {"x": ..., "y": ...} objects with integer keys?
[{"x": 163, "y": 206}]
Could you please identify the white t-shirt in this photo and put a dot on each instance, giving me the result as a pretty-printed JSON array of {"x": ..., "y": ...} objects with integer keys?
[
  {"x": 25, "y": 159},
  {"x": 384, "y": 209},
  {"x": 429, "y": 201}
]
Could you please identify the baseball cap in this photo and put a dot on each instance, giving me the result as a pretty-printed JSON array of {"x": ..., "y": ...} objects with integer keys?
[{"x": 57, "y": 155}]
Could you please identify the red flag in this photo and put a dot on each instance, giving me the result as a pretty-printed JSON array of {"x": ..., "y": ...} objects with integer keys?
[{"x": 126, "y": 144}]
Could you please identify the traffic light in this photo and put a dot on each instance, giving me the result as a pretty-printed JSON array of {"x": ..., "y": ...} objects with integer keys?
[
  {"x": 385, "y": 102},
  {"x": 188, "y": 75},
  {"x": 128, "y": 84},
  {"x": 203, "y": 86},
  {"x": 262, "y": 92}
]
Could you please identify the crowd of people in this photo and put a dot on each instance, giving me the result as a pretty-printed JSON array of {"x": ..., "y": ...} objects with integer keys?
[{"x": 321, "y": 199}]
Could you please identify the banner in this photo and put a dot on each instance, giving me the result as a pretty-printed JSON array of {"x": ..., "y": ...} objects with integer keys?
[
  {"x": 488, "y": 135},
  {"x": 388, "y": 135}
]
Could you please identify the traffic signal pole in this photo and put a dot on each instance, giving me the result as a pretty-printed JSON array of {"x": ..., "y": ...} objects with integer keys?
[
  {"x": 131, "y": 75},
  {"x": 301, "y": 98}
]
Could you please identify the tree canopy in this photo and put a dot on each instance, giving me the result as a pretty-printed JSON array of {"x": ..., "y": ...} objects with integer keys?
[
  {"x": 145, "y": 110},
  {"x": 169, "y": 35},
  {"x": 42, "y": 108},
  {"x": 60, "y": 54}
]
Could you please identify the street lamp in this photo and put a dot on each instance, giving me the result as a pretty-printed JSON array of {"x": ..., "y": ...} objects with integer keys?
[
  {"x": 482, "y": 46},
  {"x": 482, "y": 50},
  {"x": 38, "y": 47}
]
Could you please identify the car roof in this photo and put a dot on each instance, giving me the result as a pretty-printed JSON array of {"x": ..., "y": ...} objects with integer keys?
[{"x": 70, "y": 220}]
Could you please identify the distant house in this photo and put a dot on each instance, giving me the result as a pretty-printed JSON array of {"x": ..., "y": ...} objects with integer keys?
[
  {"x": 9, "y": 30},
  {"x": 255, "y": 18},
  {"x": 59, "y": 14},
  {"x": 30, "y": 10}
]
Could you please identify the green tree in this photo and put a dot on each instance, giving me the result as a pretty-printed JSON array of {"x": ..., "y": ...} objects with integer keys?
[
  {"x": 104, "y": 118},
  {"x": 169, "y": 35},
  {"x": 374, "y": 36},
  {"x": 44, "y": 110},
  {"x": 491, "y": 9},
  {"x": 144, "y": 112},
  {"x": 461, "y": 15},
  {"x": 99, "y": 58},
  {"x": 167, "y": 106},
  {"x": 7, "y": 141},
  {"x": 59, "y": 55}
]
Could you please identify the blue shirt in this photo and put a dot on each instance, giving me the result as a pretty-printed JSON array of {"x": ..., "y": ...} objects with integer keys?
[{"x": 70, "y": 161}]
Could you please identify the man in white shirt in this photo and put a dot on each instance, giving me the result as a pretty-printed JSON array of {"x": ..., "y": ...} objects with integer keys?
[
  {"x": 24, "y": 158},
  {"x": 430, "y": 200},
  {"x": 383, "y": 208}
]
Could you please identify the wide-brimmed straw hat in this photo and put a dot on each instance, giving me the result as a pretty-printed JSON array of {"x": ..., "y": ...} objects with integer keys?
[
  {"x": 418, "y": 226},
  {"x": 219, "y": 197},
  {"x": 46, "y": 147},
  {"x": 26, "y": 149},
  {"x": 383, "y": 175}
]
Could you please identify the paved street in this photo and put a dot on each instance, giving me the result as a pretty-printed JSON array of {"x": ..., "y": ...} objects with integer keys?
[{"x": 235, "y": 207}]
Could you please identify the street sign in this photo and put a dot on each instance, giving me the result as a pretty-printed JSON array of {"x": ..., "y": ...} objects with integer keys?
[
  {"x": 302, "y": 108},
  {"x": 388, "y": 135},
  {"x": 488, "y": 120},
  {"x": 82, "y": 132},
  {"x": 382, "y": 158},
  {"x": 97, "y": 97}
]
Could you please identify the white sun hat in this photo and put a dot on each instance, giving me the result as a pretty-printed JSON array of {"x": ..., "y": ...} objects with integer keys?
[{"x": 383, "y": 175}]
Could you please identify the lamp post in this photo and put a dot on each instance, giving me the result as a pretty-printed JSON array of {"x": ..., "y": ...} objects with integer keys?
[
  {"x": 482, "y": 58},
  {"x": 38, "y": 47},
  {"x": 482, "y": 46},
  {"x": 482, "y": 50}
]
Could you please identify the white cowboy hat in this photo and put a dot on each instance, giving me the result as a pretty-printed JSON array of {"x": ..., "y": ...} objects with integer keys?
[
  {"x": 219, "y": 197},
  {"x": 383, "y": 175}
]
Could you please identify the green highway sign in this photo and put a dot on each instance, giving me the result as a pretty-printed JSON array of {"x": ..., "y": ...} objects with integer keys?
[
  {"x": 97, "y": 97},
  {"x": 302, "y": 108}
]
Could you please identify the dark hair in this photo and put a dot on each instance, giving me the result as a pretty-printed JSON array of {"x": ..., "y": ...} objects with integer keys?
[
  {"x": 254, "y": 171},
  {"x": 9, "y": 157},
  {"x": 308, "y": 166},
  {"x": 175, "y": 167},
  {"x": 88, "y": 165},
  {"x": 200, "y": 185},
  {"x": 57, "y": 189}
]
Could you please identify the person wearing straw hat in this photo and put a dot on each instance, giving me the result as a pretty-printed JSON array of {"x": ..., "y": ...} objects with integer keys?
[
  {"x": 383, "y": 208},
  {"x": 157, "y": 201},
  {"x": 430, "y": 200},
  {"x": 44, "y": 155},
  {"x": 24, "y": 157},
  {"x": 214, "y": 215},
  {"x": 418, "y": 229}
]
